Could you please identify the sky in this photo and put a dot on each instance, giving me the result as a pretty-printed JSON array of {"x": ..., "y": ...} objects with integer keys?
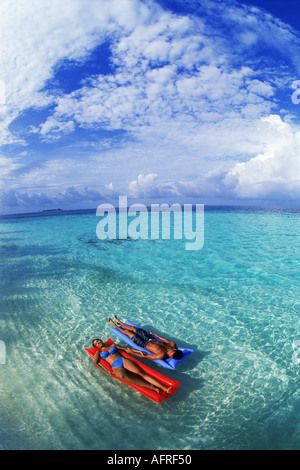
[{"x": 159, "y": 100}]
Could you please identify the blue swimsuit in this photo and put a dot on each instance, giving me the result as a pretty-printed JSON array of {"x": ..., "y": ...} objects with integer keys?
[{"x": 118, "y": 362}]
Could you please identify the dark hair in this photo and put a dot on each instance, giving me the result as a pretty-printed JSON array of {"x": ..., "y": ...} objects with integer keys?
[
  {"x": 177, "y": 354},
  {"x": 96, "y": 339}
]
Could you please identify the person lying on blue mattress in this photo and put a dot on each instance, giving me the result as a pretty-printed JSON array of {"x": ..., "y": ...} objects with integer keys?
[
  {"x": 121, "y": 366},
  {"x": 160, "y": 349}
]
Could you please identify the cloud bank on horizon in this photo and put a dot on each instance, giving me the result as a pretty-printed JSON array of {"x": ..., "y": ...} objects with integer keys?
[{"x": 151, "y": 99}]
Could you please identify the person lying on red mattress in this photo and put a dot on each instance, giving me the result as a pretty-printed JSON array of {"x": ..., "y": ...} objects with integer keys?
[{"x": 121, "y": 366}]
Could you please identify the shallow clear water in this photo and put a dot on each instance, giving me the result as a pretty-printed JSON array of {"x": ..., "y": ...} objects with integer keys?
[{"x": 235, "y": 301}]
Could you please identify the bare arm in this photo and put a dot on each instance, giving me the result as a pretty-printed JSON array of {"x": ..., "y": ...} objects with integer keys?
[
  {"x": 121, "y": 348},
  {"x": 135, "y": 352},
  {"x": 116, "y": 346},
  {"x": 159, "y": 337},
  {"x": 163, "y": 339},
  {"x": 152, "y": 357}
]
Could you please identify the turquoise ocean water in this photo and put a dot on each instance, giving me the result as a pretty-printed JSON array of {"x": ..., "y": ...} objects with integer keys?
[{"x": 235, "y": 302}]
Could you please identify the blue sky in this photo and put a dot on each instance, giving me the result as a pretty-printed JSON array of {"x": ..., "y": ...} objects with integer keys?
[{"x": 166, "y": 100}]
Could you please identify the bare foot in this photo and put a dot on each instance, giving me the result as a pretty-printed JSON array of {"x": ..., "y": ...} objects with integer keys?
[
  {"x": 111, "y": 322},
  {"x": 164, "y": 388}
]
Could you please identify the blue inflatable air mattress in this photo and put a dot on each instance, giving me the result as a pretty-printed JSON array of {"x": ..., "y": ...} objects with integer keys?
[{"x": 169, "y": 363}]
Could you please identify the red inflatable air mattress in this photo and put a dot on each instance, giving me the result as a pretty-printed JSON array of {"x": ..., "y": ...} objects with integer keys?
[{"x": 155, "y": 396}]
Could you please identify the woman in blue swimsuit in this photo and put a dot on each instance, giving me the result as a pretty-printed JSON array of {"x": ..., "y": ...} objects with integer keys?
[{"x": 121, "y": 365}]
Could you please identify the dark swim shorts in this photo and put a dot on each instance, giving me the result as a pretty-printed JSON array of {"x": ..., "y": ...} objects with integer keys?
[{"x": 141, "y": 338}]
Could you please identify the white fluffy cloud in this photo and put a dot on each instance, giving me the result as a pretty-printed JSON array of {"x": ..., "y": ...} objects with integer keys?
[
  {"x": 36, "y": 200},
  {"x": 35, "y": 36},
  {"x": 273, "y": 174},
  {"x": 167, "y": 70},
  {"x": 7, "y": 167},
  {"x": 276, "y": 171}
]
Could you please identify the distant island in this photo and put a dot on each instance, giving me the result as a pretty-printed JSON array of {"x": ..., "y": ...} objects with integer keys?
[{"x": 52, "y": 210}]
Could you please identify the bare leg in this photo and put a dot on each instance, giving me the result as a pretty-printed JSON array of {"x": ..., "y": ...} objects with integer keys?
[
  {"x": 129, "y": 332},
  {"x": 124, "y": 325},
  {"x": 122, "y": 374},
  {"x": 132, "y": 367}
]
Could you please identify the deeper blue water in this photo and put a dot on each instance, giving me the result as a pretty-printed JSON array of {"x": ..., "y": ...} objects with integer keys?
[{"x": 235, "y": 302}]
